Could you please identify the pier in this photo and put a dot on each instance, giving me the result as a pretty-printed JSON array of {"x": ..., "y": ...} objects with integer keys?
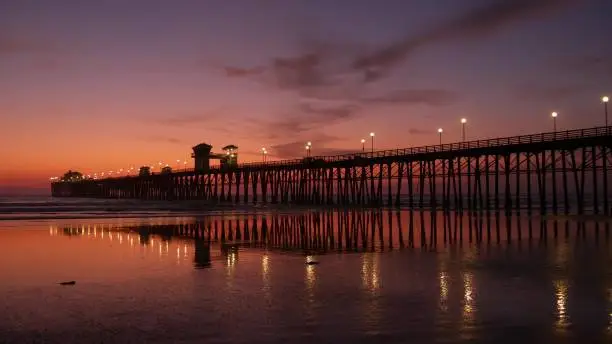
[{"x": 561, "y": 172}]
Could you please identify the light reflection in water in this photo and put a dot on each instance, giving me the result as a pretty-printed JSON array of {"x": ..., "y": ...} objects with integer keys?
[
  {"x": 443, "y": 281},
  {"x": 265, "y": 265},
  {"x": 468, "y": 299},
  {"x": 310, "y": 275},
  {"x": 443, "y": 277},
  {"x": 231, "y": 260},
  {"x": 265, "y": 274},
  {"x": 369, "y": 272},
  {"x": 310, "y": 278},
  {"x": 230, "y": 267},
  {"x": 561, "y": 304},
  {"x": 610, "y": 310},
  {"x": 370, "y": 276}
]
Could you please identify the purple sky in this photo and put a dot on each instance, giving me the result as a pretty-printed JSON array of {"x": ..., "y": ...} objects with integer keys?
[{"x": 99, "y": 85}]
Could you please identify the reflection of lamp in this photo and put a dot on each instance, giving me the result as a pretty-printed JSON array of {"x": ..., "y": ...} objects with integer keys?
[
  {"x": 443, "y": 287},
  {"x": 468, "y": 297},
  {"x": 561, "y": 302},
  {"x": 265, "y": 262}
]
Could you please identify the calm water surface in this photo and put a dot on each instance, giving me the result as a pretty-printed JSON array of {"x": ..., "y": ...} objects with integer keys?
[{"x": 381, "y": 277}]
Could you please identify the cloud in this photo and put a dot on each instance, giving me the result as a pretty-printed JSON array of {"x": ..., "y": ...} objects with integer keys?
[
  {"x": 548, "y": 92},
  {"x": 316, "y": 69},
  {"x": 304, "y": 117},
  {"x": 588, "y": 64},
  {"x": 191, "y": 119},
  {"x": 21, "y": 44},
  {"x": 477, "y": 23},
  {"x": 162, "y": 139},
  {"x": 298, "y": 72},
  {"x": 311, "y": 116},
  {"x": 243, "y": 72},
  {"x": 324, "y": 71},
  {"x": 302, "y": 72},
  {"x": 431, "y": 97},
  {"x": 416, "y": 131},
  {"x": 296, "y": 149},
  {"x": 185, "y": 120},
  {"x": 329, "y": 113},
  {"x": 321, "y": 68}
]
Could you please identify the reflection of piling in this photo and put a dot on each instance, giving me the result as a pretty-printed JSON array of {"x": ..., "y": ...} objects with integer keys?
[
  {"x": 356, "y": 231},
  {"x": 201, "y": 258},
  {"x": 145, "y": 238}
]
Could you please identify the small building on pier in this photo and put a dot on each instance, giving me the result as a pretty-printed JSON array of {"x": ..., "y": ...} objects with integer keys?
[
  {"x": 231, "y": 156},
  {"x": 144, "y": 171}
]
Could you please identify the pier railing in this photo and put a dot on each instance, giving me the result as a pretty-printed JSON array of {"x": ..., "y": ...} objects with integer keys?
[
  {"x": 545, "y": 137},
  {"x": 445, "y": 147}
]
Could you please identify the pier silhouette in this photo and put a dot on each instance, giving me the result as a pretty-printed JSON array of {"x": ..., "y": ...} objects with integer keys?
[{"x": 560, "y": 172}]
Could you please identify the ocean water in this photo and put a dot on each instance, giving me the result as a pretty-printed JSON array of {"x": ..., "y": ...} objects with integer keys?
[
  {"x": 49, "y": 208},
  {"x": 299, "y": 275}
]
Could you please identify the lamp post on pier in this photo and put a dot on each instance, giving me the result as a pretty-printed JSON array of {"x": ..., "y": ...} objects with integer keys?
[
  {"x": 440, "y": 134},
  {"x": 372, "y": 136},
  {"x": 463, "y": 122},
  {"x": 554, "y": 117},
  {"x": 362, "y": 145},
  {"x": 605, "y": 101}
]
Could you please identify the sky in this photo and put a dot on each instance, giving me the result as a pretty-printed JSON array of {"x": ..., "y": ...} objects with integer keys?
[{"x": 96, "y": 86}]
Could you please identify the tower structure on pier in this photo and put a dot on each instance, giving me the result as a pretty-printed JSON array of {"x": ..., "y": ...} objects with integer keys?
[{"x": 201, "y": 156}]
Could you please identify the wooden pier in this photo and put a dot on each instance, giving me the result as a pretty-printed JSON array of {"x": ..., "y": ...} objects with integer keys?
[{"x": 558, "y": 172}]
